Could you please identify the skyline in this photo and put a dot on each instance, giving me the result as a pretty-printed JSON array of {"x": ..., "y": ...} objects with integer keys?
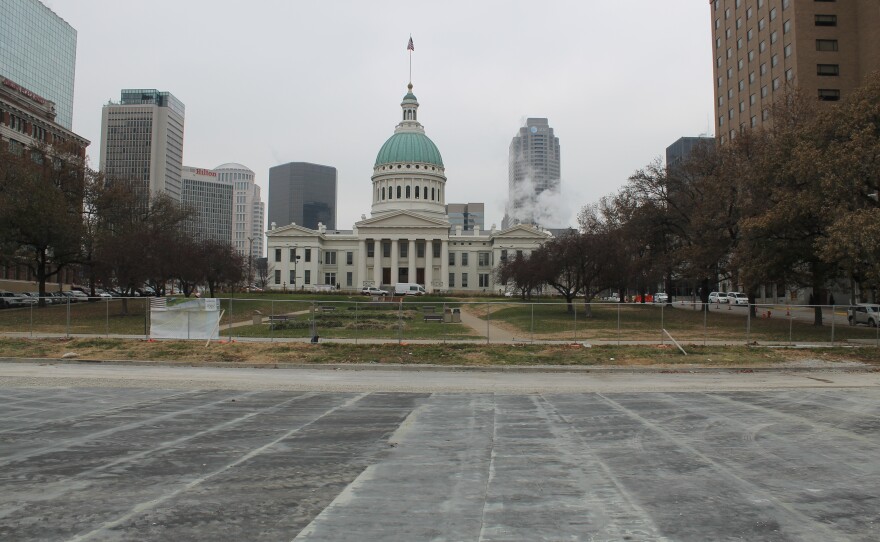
[{"x": 617, "y": 94}]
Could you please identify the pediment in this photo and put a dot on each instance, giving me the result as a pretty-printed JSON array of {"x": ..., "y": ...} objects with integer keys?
[
  {"x": 292, "y": 229},
  {"x": 520, "y": 231},
  {"x": 402, "y": 219}
]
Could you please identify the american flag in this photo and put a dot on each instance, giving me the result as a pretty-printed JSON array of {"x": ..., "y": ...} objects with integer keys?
[{"x": 410, "y": 46}]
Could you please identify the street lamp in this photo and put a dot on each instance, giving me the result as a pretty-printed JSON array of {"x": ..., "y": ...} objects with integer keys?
[
  {"x": 294, "y": 258},
  {"x": 250, "y": 273}
]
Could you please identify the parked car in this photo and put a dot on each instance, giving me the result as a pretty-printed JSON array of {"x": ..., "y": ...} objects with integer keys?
[
  {"x": 372, "y": 290},
  {"x": 102, "y": 293},
  {"x": 8, "y": 299},
  {"x": 76, "y": 296},
  {"x": 320, "y": 288},
  {"x": 26, "y": 298},
  {"x": 717, "y": 297},
  {"x": 737, "y": 298},
  {"x": 863, "y": 313},
  {"x": 408, "y": 288},
  {"x": 661, "y": 297}
]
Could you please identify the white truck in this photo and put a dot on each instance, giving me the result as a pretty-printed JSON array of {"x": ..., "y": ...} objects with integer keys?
[{"x": 409, "y": 288}]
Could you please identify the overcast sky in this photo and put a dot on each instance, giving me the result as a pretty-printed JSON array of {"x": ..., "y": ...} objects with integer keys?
[{"x": 267, "y": 82}]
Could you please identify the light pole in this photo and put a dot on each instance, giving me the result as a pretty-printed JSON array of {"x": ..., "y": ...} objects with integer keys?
[
  {"x": 250, "y": 272},
  {"x": 294, "y": 258}
]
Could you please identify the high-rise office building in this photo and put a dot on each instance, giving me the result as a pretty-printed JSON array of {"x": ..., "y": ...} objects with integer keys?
[
  {"x": 823, "y": 47},
  {"x": 142, "y": 141},
  {"x": 302, "y": 193},
  {"x": 469, "y": 216},
  {"x": 533, "y": 168},
  {"x": 210, "y": 199},
  {"x": 248, "y": 210},
  {"x": 38, "y": 52},
  {"x": 679, "y": 151}
]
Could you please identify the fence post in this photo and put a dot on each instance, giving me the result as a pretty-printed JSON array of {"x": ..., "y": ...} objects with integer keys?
[
  {"x": 618, "y": 323},
  {"x": 271, "y": 320},
  {"x": 356, "y": 330},
  {"x": 574, "y": 305},
  {"x": 533, "y": 322},
  {"x": 789, "y": 327},
  {"x": 749, "y": 322},
  {"x": 314, "y": 326},
  {"x": 662, "y": 323},
  {"x": 444, "y": 319},
  {"x": 67, "y": 328},
  {"x": 107, "y": 317},
  {"x": 487, "y": 322},
  {"x": 400, "y": 321},
  {"x": 229, "y": 318},
  {"x": 832, "y": 325},
  {"x": 705, "y": 322},
  {"x": 146, "y": 306}
]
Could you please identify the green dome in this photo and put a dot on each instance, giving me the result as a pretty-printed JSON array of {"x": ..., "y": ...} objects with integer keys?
[{"x": 411, "y": 147}]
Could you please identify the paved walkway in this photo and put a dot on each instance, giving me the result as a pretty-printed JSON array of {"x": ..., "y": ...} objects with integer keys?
[
  {"x": 495, "y": 333},
  {"x": 117, "y": 457}
]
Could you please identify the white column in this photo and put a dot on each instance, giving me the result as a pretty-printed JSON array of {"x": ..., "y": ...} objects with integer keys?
[
  {"x": 377, "y": 263},
  {"x": 362, "y": 264},
  {"x": 411, "y": 259},
  {"x": 444, "y": 262},
  {"x": 395, "y": 260},
  {"x": 429, "y": 265}
]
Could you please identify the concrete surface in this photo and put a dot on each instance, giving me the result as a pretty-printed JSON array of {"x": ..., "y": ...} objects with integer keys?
[{"x": 153, "y": 453}]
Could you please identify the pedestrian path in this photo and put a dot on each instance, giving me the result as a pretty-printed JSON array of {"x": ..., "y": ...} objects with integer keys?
[{"x": 481, "y": 326}]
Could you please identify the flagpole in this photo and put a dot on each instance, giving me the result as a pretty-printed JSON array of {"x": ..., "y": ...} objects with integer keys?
[{"x": 410, "y": 60}]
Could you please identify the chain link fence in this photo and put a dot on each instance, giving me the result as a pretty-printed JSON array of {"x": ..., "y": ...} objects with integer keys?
[{"x": 416, "y": 319}]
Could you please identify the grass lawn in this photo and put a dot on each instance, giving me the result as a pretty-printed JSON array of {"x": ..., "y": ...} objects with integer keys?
[
  {"x": 350, "y": 321},
  {"x": 440, "y": 354},
  {"x": 646, "y": 322},
  {"x": 113, "y": 316}
]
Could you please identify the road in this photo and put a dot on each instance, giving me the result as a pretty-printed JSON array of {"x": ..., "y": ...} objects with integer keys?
[{"x": 167, "y": 453}]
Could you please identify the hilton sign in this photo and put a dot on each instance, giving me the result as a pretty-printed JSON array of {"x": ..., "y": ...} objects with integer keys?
[{"x": 206, "y": 172}]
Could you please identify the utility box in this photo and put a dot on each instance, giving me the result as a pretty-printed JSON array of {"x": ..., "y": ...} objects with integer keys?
[
  {"x": 456, "y": 315},
  {"x": 258, "y": 319}
]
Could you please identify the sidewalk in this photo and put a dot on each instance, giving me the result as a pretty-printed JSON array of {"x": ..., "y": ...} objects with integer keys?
[{"x": 483, "y": 327}]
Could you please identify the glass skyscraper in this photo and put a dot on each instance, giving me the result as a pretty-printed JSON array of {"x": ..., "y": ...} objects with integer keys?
[
  {"x": 302, "y": 193},
  {"x": 38, "y": 51},
  {"x": 533, "y": 169},
  {"x": 142, "y": 141}
]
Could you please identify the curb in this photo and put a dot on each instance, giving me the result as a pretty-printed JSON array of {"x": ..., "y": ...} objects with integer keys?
[{"x": 659, "y": 369}]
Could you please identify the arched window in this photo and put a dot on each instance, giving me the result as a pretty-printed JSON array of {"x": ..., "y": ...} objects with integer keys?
[
  {"x": 383, "y": 192},
  {"x": 425, "y": 192},
  {"x": 417, "y": 192},
  {"x": 407, "y": 192},
  {"x": 398, "y": 192},
  {"x": 432, "y": 193}
]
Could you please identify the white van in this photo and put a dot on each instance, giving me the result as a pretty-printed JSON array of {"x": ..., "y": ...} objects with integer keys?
[{"x": 408, "y": 288}]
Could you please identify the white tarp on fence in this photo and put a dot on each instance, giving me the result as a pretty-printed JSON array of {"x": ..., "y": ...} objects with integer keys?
[{"x": 185, "y": 319}]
